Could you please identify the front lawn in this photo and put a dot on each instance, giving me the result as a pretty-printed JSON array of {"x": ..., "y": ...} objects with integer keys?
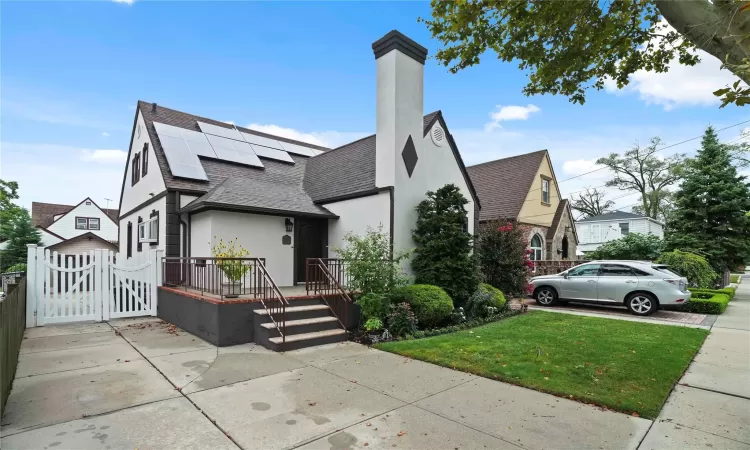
[{"x": 626, "y": 366}]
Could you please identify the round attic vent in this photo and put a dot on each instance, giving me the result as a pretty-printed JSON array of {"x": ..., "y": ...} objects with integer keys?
[{"x": 438, "y": 136}]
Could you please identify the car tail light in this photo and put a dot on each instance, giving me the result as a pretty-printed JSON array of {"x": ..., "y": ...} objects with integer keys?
[
  {"x": 675, "y": 282},
  {"x": 680, "y": 300}
]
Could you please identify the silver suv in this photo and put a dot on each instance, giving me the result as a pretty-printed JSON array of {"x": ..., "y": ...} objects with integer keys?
[{"x": 642, "y": 286}]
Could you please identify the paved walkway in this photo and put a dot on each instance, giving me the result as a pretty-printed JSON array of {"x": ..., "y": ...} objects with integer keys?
[
  {"x": 146, "y": 384},
  {"x": 710, "y": 406}
]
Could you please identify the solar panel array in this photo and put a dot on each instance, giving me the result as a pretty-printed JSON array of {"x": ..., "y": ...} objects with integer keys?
[{"x": 182, "y": 148}]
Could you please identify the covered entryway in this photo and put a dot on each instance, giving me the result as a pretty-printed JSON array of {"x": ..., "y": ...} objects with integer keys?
[{"x": 310, "y": 241}]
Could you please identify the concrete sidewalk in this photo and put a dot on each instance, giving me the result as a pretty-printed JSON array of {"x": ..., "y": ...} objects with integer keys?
[
  {"x": 710, "y": 407},
  {"x": 146, "y": 384}
]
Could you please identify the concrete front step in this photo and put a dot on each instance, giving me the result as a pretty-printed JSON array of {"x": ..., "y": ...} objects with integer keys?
[
  {"x": 302, "y": 326},
  {"x": 297, "y": 312},
  {"x": 303, "y": 340}
]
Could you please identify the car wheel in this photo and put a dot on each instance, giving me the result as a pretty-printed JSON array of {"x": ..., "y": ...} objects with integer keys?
[
  {"x": 642, "y": 304},
  {"x": 545, "y": 296}
]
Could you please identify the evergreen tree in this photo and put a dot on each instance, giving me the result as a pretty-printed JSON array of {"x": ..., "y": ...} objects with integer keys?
[
  {"x": 20, "y": 231},
  {"x": 443, "y": 256},
  {"x": 710, "y": 216}
]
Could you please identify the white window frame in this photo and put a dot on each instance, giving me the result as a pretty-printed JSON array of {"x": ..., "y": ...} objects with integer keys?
[
  {"x": 539, "y": 249},
  {"x": 545, "y": 190},
  {"x": 148, "y": 231}
]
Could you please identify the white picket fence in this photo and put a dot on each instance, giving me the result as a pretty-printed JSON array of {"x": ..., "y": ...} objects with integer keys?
[{"x": 97, "y": 286}]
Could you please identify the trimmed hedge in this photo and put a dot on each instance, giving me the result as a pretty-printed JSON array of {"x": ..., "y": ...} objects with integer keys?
[
  {"x": 707, "y": 303},
  {"x": 498, "y": 299},
  {"x": 431, "y": 304},
  {"x": 728, "y": 291}
]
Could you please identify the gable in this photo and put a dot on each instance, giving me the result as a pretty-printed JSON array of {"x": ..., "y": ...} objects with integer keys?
[
  {"x": 153, "y": 182},
  {"x": 65, "y": 226},
  {"x": 534, "y": 210}
]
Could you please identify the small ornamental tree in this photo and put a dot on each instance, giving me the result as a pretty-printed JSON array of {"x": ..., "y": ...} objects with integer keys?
[
  {"x": 638, "y": 246},
  {"x": 691, "y": 266},
  {"x": 443, "y": 256},
  {"x": 503, "y": 256}
]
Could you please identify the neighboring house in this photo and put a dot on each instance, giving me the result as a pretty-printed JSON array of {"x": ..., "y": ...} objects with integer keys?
[
  {"x": 59, "y": 224},
  {"x": 191, "y": 181},
  {"x": 596, "y": 230},
  {"x": 524, "y": 189}
]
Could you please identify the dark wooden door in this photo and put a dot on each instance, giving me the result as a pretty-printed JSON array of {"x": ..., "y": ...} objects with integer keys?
[{"x": 311, "y": 236}]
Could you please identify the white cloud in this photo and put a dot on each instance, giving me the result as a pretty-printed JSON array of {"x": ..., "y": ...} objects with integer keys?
[
  {"x": 681, "y": 85},
  {"x": 127, "y": 2},
  {"x": 105, "y": 134},
  {"x": 510, "y": 112},
  {"x": 104, "y": 156},
  {"x": 330, "y": 139}
]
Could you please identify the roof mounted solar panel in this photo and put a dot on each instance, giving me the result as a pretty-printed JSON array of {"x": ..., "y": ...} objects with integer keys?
[
  {"x": 270, "y": 153},
  {"x": 229, "y": 133},
  {"x": 298, "y": 149},
  {"x": 235, "y": 151},
  {"x": 182, "y": 162},
  {"x": 264, "y": 141}
]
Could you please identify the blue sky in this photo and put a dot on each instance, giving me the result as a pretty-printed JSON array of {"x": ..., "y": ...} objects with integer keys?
[{"x": 72, "y": 72}]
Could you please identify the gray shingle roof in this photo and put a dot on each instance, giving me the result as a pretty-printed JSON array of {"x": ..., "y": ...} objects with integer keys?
[
  {"x": 347, "y": 170},
  {"x": 43, "y": 214},
  {"x": 615, "y": 215},
  {"x": 502, "y": 185}
]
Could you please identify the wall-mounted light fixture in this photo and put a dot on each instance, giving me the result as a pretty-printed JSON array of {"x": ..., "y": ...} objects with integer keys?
[{"x": 289, "y": 225}]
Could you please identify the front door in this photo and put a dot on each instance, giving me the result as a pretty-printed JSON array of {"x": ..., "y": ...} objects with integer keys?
[
  {"x": 311, "y": 236},
  {"x": 581, "y": 283}
]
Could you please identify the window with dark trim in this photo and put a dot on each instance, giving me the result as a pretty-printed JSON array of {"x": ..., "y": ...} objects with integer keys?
[
  {"x": 136, "y": 169},
  {"x": 145, "y": 159},
  {"x": 87, "y": 223},
  {"x": 130, "y": 240},
  {"x": 148, "y": 231},
  {"x": 545, "y": 189},
  {"x": 138, "y": 231}
]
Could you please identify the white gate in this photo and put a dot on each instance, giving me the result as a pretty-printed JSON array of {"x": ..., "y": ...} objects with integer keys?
[{"x": 98, "y": 285}]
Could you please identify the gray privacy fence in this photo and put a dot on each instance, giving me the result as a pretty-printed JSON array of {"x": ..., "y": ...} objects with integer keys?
[{"x": 12, "y": 326}]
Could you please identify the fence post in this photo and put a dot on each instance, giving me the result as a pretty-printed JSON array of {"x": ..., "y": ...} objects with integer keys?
[
  {"x": 31, "y": 275},
  {"x": 156, "y": 279},
  {"x": 106, "y": 290}
]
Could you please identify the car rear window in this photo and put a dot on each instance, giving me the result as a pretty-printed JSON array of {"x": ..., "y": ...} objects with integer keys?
[
  {"x": 641, "y": 273},
  {"x": 667, "y": 271}
]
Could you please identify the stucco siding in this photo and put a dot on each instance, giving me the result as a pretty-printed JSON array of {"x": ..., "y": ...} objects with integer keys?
[
  {"x": 355, "y": 216},
  {"x": 65, "y": 226},
  {"x": 261, "y": 235},
  {"x": 145, "y": 214},
  {"x": 152, "y": 182},
  {"x": 533, "y": 210}
]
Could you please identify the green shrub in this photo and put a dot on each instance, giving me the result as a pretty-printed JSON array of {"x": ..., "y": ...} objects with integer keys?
[
  {"x": 374, "y": 306},
  {"x": 431, "y": 304},
  {"x": 402, "y": 320},
  {"x": 691, "y": 266},
  {"x": 734, "y": 278},
  {"x": 373, "y": 325},
  {"x": 728, "y": 291},
  {"x": 636, "y": 246},
  {"x": 20, "y": 267},
  {"x": 486, "y": 301},
  {"x": 707, "y": 303}
]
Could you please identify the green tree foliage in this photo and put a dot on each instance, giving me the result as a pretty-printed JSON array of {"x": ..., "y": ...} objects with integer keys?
[
  {"x": 637, "y": 246},
  {"x": 8, "y": 209},
  {"x": 711, "y": 207},
  {"x": 568, "y": 47},
  {"x": 443, "y": 256},
  {"x": 691, "y": 266},
  {"x": 503, "y": 257},
  {"x": 641, "y": 170},
  {"x": 20, "y": 232}
]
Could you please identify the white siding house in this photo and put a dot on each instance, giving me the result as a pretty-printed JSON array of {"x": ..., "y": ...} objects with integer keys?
[
  {"x": 594, "y": 231},
  {"x": 58, "y": 224}
]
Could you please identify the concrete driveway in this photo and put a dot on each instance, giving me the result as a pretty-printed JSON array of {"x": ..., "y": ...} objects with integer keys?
[{"x": 146, "y": 384}]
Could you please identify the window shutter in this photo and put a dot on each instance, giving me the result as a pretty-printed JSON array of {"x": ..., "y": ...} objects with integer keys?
[
  {"x": 155, "y": 213},
  {"x": 139, "y": 233},
  {"x": 130, "y": 240},
  {"x": 145, "y": 159}
]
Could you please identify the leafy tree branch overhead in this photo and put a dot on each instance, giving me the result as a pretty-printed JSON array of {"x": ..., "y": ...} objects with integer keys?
[{"x": 569, "y": 47}]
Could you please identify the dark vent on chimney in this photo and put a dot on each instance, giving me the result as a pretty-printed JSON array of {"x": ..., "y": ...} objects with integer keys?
[{"x": 153, "y": 108}]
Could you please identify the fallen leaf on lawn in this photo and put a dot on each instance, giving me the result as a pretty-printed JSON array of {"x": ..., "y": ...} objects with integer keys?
[
  {"x": 635, "y": 414},
  {"x": 546, "y": 378}
]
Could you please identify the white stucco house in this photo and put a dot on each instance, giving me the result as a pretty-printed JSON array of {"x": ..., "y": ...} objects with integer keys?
[
  {"x": 190, "y": 180},
  {"x": 596, "y": 230},
  {"x": 75, "y": 228}
]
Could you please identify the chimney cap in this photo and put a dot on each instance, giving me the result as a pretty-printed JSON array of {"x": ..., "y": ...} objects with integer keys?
[
  {"x": 395, "y": 40},
  {"x": 153, "y": 107}
]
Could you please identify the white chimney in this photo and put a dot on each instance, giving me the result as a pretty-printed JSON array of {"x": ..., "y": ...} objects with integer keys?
[{"x": 400, "y": 98}]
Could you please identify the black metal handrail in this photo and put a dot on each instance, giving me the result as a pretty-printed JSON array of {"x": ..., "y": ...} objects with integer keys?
[
  {"x": 321, "y": 281},
  {"x": 275, "y": 302}
]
